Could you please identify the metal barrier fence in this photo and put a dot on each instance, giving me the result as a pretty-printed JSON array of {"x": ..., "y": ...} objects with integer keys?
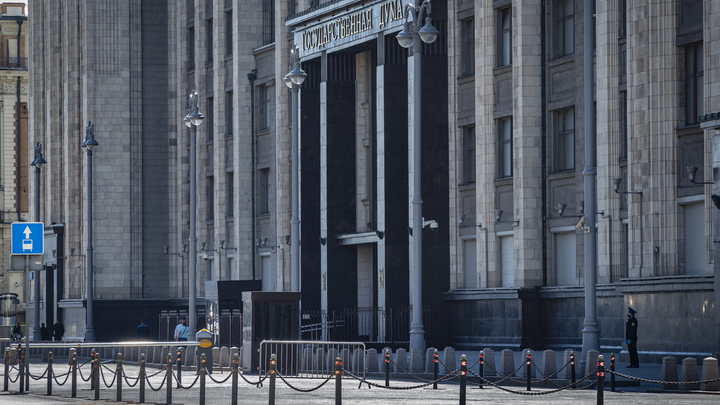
[{"x": 311, "y": 359}]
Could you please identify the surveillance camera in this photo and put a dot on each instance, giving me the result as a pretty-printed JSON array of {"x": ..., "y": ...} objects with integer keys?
[
  {"x": 581, "y": 222},
  {"x": 433, "y": 225},
  {"x": 205, "y": 256}
]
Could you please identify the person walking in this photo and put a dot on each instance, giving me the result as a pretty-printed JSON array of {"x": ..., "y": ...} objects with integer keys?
[
  {"x": 176, "y": 335},
  {"x": 143, "y": 331},
  {"x": 631, "y": 327},
  {"x": 58, "y": 331},
  {"x": 44, "y": 333}
]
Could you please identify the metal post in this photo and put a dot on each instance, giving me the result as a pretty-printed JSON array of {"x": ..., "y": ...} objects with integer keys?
[
  {"x": 37, "y": 336},
  {"x": 96, "y": 375},
  {"x": 294, "y": 191},
  {"x": 192, "y": 239},
  {"x": 203, "y": 372},
  {"x": 92, "y": 370},
  {"x": 612, "y": 375},
  {"x": 463, "y": 379},
  {"x": 6, "y": 376},
  {"x": 49, "y": 374},
  {"x": 21, "y": 365},
  {"x": 435, "y": 369},
  {"x": 234, "y": 390},
  {"x": 338, "y": 381},
  {"x": 529, "y": 364},
  {"x": 591, "y": 332},
  {"x": 73, "y": 383},
  {"x": 89, "y": 144},
  {"x": 168, "y": 380},
  {"x": 273, "y": 364},
  {"x": 387, "y": 368},
  {"x": 141, "y": 376},
  {"x": 601, "y": 379},
  {"x": 118, "y": 376},
  {"x": 481, "y": 367},
  {"x": 179, "y": 367},
  {"x": 572, "y": 369}
]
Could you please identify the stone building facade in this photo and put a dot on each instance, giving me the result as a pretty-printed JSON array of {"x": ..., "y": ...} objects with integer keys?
[{"x": 503, "y": 129}]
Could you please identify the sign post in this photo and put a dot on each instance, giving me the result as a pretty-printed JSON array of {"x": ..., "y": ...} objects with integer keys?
[{"x": 27, "y": 240}]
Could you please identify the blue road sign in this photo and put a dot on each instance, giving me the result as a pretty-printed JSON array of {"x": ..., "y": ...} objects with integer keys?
[{"x": 27, "y": 238}]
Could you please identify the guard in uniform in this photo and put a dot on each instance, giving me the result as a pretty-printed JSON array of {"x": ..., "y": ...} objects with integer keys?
[{"x": 631, "y": 327}]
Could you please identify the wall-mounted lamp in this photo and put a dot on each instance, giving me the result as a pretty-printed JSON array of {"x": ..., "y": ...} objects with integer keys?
[
  {"x": 380, "y": 234},
  {"x": 692, "y": 171},
  {"x": 461, "y": 219},
  {"x": 716, "y": 200},
  {"x": 323, "y": 241},
  {"x": 287, "y": 239},
  {"x": 72, "y": 253},
  {"x": 498, "y": 219},
  {"x": 261, "y": 242},
  {"x": 202, "y": 246},
  {"x": 561, "y": 211},
  {"x": 222, "y": 246},
  {"x": 409, "y": 229}
]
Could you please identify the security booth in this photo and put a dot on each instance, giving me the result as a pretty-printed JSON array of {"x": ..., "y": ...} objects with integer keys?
[
  {"x": 205, "y": 340},
  {"x": 223, "y": 309},
  {"x": 8, "y": 313},
  {"x": 268, "y": 315}
]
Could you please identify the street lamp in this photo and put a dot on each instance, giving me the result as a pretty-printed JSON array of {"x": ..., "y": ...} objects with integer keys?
[
  {"x": 293, "y": 80},
  {"x": 192, "y": 120},
  {"x": 39, "y": 163},
  {"x": 89, "y": 144},
  {"x": 413, "y": 34}
]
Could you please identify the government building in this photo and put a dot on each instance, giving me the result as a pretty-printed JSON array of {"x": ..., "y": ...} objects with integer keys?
[{"x": 517, "y": 168}]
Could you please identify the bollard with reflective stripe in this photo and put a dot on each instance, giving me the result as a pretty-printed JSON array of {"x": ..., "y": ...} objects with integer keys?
[
  {"x": 435, "y": 369},
  {"x": 234, "y": 392},
  {"x": 118, "y": 375},
  {"x": 203, "y": 359},
  {"x": 601, "y": 379},
  {"x": 73, "y": 366},
  {"x": 612, "y": 375},
  {"x": 21, "y": 365},
  {"x": 463, "y": 379},
  {"x": 168, "y": 379},
  {"x": 7, "y": 369},
  {"x": 572, "y": 369},
  {"x": 92, "y": 370},
  {"x": 273, "y": 364},
  {"x": 141, "y": 376},
  {"x": 49, "y": 374},
  {"x": 179, "y": 367},
  {"x": 529, "y": 373},
  {"x": 481, "y": 367},
  {"x": 338, "y": 381},
  {"x": 96, "y": 370},
  {"x": 387, "y": 368}
]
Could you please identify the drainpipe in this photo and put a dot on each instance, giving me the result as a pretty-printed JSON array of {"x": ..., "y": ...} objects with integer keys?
[
  {"x": 251, "y": 77},
  {"x": 543, "y": 142},
  {"x": 18, "y": 193}
]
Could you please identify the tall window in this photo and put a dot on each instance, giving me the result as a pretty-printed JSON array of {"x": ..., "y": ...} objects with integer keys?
[
  {"x": 504, "y": 37},
  {"x": 264, "y": 190},
  {"x": 623, "y": 125},
  {"x": 622, "y": 23},
  {"x": 210, "y": 198},
  {"x": 467, "y": 47},
  {"x": 468, "y": 155},
  {"x": 264, "y": 94},
  {"x": 564, "y": 27},
  {"x": 229, "y": 113},
  {"x": 694, "y": 80},
  {"x": 209, "y": 37},
  {"x": 230, "y": 195},
  {"x": 210, "y": 119},
  {"x": 268, "y": 21},
  {"x": 504, "y": 147},
  {"x": 565, "y": 139},
  {"x": 191, "y": 48},
  {"x": 228, "y": 33}
]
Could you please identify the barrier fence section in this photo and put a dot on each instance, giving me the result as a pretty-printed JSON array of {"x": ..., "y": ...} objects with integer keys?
[{"x": 311, "y": 359}]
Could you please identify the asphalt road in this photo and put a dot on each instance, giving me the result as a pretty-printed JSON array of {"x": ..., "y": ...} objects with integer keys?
[{"x": 248, "y": 394}]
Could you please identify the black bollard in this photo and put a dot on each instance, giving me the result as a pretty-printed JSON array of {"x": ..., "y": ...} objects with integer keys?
[
  {"x": 92, "y": 370},
  {"x": 7, "y": 370},
  {"x": 435, "y": 369},
  {"x": 481, "y": 368},
  {"x": 463, "y": 379},
  {"x": 168, "y": 379},
  {"x": 234, "y": 392},
  {"x": 73, "y": 367},
  {"x": 612, "y": 375},
  {"x": 141, "y": 376},
  {"x": 203, "y": 359},
  {"x": 529, "y": 364},
  {"x": 338, "y": 381},
  {"x": 572, "y": 369},
  {"x": 601, "y": 380},
  {"x": 21, "y": 365},
  {"x": 387, "y": 368},
  {"x": 49, "y": 374},
  {"x": 179, "y": 368},
  {"x": 118, "y": 376},
  {"x": 273, "y": 364},
  {"x": 96, "y": 374}
]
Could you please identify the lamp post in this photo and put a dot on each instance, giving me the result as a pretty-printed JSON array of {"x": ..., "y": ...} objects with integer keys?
[
  {"x": 89, "y": 144},
  {"x": 192, "y": 120},
  {"x": 38, "y": 162},
  {"x": 414, "y": 34},
  {"x": 293, "y": 80}
]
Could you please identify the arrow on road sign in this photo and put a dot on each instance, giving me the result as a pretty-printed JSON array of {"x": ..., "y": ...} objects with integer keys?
[{"x": 27, "y": 232}]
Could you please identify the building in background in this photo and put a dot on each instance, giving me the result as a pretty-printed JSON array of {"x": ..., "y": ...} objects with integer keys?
[{"x": 503, "y": 129}]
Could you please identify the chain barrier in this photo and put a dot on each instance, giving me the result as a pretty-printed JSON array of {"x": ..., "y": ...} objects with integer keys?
[
  {"x": 209, "y": 375},
  {"x": 37, "y": 378},
  {"x": 537, "y": 393},
  {"x": 448, "y": 368},
  {"x": 505, "y": 378},
  {"x": 448, "y": 377},
  {"x": 103, "y": 376},
  {"x": 662, "y": 382},
  {"x": 126, "y": 378},
  {"x": 158, "y": 388},
  {"x": 81, "y": 374},
  {"x": 330, "y": 377},
  {"x": 257, "y": 384},
  {"x": 409, "y": 373},
  {"x": 67, "y": 375},
  {"x": 11, "y": 379},
  {"x": 179, "y": 384}
]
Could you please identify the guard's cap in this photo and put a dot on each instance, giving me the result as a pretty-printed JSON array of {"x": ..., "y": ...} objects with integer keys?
[{"x": 632, "y": 311}]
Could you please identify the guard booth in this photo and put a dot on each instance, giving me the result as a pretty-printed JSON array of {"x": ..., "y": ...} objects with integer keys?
[
  {"x": 8, "y": 313},
  {"x": 268, "y": 316}
]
